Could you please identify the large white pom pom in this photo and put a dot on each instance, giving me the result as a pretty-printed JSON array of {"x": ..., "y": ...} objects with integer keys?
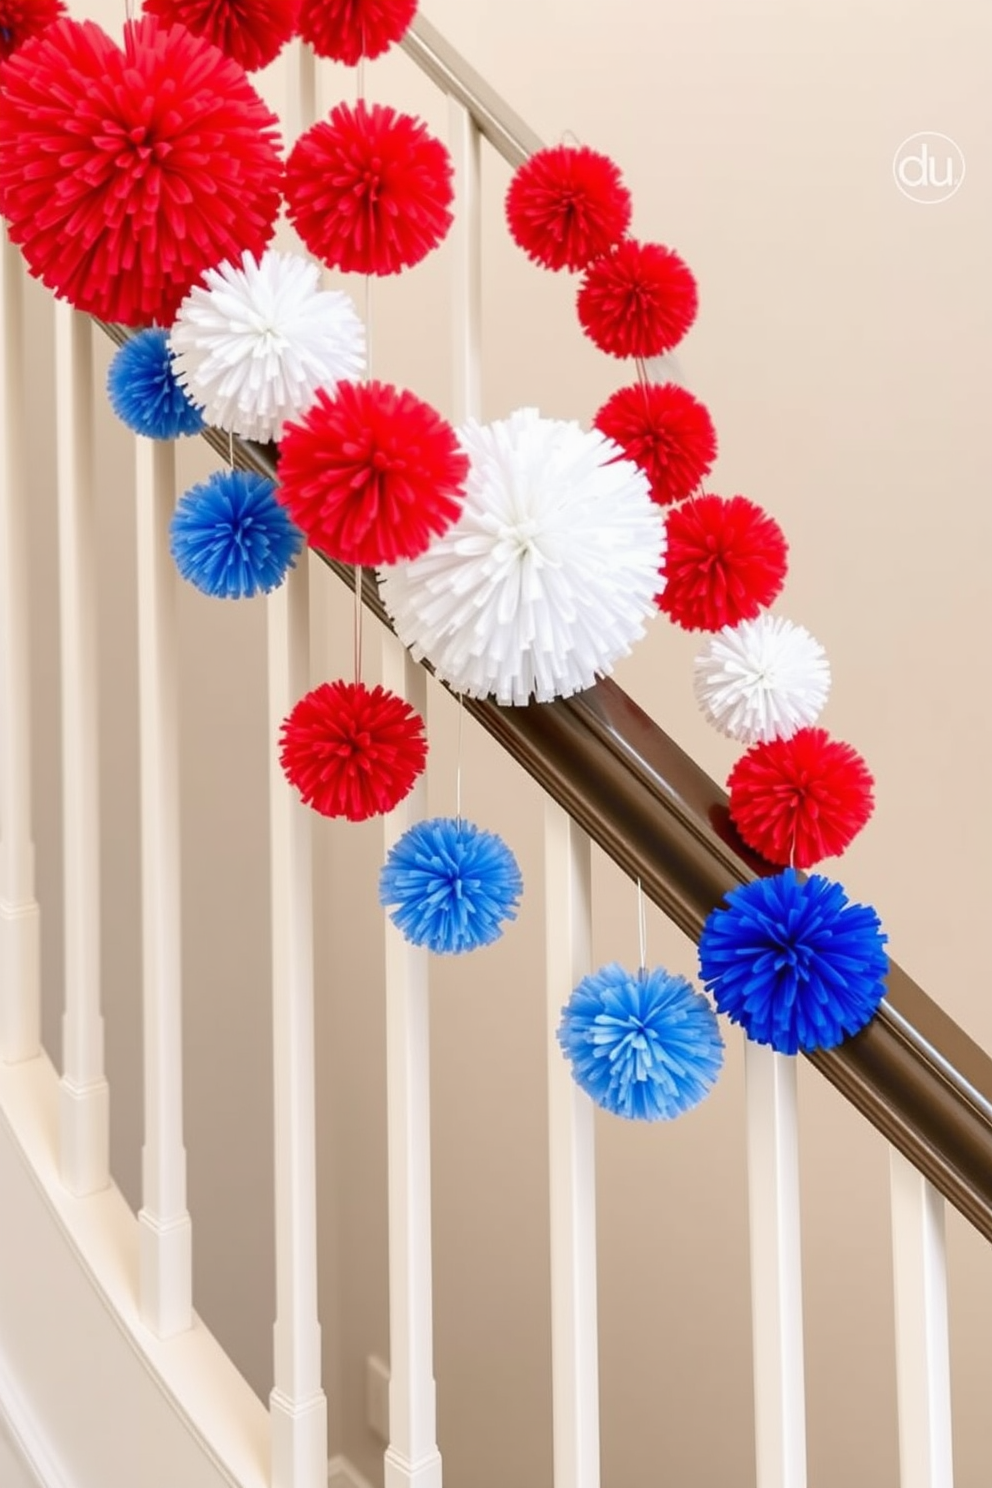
[
  {"x": 550, "y": 572},
  {"x": 254, "y": 342},
  {"x": 761, "y": 680}
]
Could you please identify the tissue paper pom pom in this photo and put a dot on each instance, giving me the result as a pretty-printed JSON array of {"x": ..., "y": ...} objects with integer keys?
[
  {"x": 453, "y": 885},
  {"x": 144, "y": 393},
  {"x": 370, "y": 190},
  {"x": 351, "y": 751},
  {"x": 637, "y": 301},
  {"x": 348, "y": 30},
  {"x": 124, "y": 174},
  {"x": 22, "y": 19},
  {"x": 726, "y": 561},
  {"x": 252, "y": 32},
  {"x": 643, "y": 1045},
  {"x": 547, "y": 577},
  {"x": 371, "y": 474},
  {"x": 665, "y": 431},
  {"x": 762, "y": 680},
  {"x": 801, "y": 799},
  {"x": 794, "y": 962},
  {"x": 231, "y": 538},
  {"x": 567, "y": 206},
  {"x": 256, "y": 340}
]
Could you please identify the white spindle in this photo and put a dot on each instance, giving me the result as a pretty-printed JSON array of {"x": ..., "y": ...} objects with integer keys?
[
  {"x": 165, "y": 1231},
  {"x": 84, "y": 1111},
  {"x": 574, "y": 1329},
  {"x": 923, "y": 1379},
  {"x": 20, "y": 987},
  {"x": 776, "y": 1268}
]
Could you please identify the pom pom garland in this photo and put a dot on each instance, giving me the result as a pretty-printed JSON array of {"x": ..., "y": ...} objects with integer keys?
[
  {"x": 22, "y": 19},
  {"x": 452, "y": 885},
  {"x": 144, "y": 392},
  {"x": 645, "y": 1046},
  {"x": 251, "y": 32},
  {"x": 348, "y": 30},
  {"x": 637, "y": 301},
  {"x": 794, "y": 962},
  {"x": 371, "y": 474},
  {"x": 369, "y": 190},
  {"x": 352, "y": 751},
  {"x": 256, "y": 340},
  {"x": 230, "y": 537},
  {"x": 547, "y": 577},
  {"x": 726, "y": 560},
  {"x": 800, "y": 799},
  {"x": 664, "y": 430},
  {"x": 762, "y": 680},
  {"x": 566, "y": 206}
]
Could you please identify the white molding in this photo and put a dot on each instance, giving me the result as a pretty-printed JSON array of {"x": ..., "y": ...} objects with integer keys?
[
  {"x": 30, "y": 1444},
  {"x": 342, "y": 1474}
]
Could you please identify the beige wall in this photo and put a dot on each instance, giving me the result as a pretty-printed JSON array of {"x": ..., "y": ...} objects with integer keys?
[{"x": 844, "y": 348}]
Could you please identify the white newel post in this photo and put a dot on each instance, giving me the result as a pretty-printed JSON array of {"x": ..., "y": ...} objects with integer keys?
[
  {"x": 923, "y": 1377},
  {"x": 20, "y": 986},
  {"x": 776, "y": 1268},
  {"x": 84, "y": 1096},
  {"x": 574, "y": 1326},
  {"x": 165, "y": 1255}
]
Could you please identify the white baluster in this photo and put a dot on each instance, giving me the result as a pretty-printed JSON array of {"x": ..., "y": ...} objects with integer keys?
[
  {"x": 20, "y": 984},
  {"x": 165, "y": 1232},
  {"x": 923, "y": 1379},
  {"x": 574, "y": 1328},
  {"x": 776, "y": 1268},
  {"x": 465, "y": 259},
  {"x": 84, "y": 1111}
]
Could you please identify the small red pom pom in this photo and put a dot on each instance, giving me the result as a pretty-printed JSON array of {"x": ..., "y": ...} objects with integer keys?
[
  {"x": 349, "y": 30},
  {"x": 371, "y": 474},
  {"x": 125, "y": 174},
  {"x": 252, "y": 32},
  {"x": 567, "y": 206},
  {"x": 22, "y": 19},
  {"x": 351, "y": 751},
  {"x": 664, "y": 430},
  {"x": 637, "y": 301},
  {"x": 369, "y": 190},
  {"x": 798, "y": 800},
  {"x": 724, "y": 562}
]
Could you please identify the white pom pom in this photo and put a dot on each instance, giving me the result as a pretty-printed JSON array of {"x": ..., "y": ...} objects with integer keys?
[
  {"x": 549, "y": 574},
  {"x": 763, "y": 679},
  {"x": 254, "y": 342}
]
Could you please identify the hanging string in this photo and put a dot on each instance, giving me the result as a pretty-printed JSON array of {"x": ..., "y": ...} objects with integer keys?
[
  {"x": 642, "y": 927},
  {"x": 358, "y": 624},
  {"x": 642, "y": 371},
  {"x": 230, "y": 448},
  {"x": 458, "y": 765}
]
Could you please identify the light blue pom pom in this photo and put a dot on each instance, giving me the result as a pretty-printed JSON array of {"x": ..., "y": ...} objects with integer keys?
[
  {"x": 231, "y": 538},
  {"x": 144, "y": 392},
  {"x": 451, "y": 885}
]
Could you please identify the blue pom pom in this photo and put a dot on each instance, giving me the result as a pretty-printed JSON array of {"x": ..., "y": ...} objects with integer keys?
[
  {"x": 644, "y": 1045},
  {"x": 794, "y": 962},
  {"x": 231, "y": 538},
  {"x": 452, "y": 885},
  {"x": 144, "y": 392}
]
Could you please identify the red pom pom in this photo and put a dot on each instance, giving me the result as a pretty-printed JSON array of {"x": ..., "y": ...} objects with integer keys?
[
  {"x": 125, "y": 174},
  {"x": 22, "y": 19},
  {"x": 252, "y": 32},
  {"x": 352, "y": 752},
  {"x": 664, "y": 430},
  {"x": 567, "y": 206},
  {"x": 371, "y": 474},
  {"x": 724, "y": 562},
  {"x": 637, "y": 301},
  {"x": 349, "y": 30},
  {"x": 369, "y": 190},
  {"x": 798, "y": 800}
]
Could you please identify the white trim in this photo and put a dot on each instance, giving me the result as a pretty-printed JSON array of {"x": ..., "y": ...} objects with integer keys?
[
  {"x": 342, "y": 1474},
  {"x": 30, "y": 1444}
]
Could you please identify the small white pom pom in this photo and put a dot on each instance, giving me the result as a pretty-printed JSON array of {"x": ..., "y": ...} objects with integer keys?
[{"x": 761, "y": 680}]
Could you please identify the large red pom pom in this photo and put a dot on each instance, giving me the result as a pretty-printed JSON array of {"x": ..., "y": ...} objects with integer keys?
[
  {"x": 252, "y": 32},
  {"x": 351, "y": 751},
  {"x": 664, "y": 430},
  {"x": 371, "y": 474},
  {"x": 125, "y": 174},
  {"x": 637, "y": 301},
  {"x": 349, "y": 30},
  {"x": 22, "y": 19},
  {"x": 567, "y": 206},
  {"x": 369, "y": 190},
  {"x": 724, "y": 562},
  {"x": 798, "y": 800}
]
